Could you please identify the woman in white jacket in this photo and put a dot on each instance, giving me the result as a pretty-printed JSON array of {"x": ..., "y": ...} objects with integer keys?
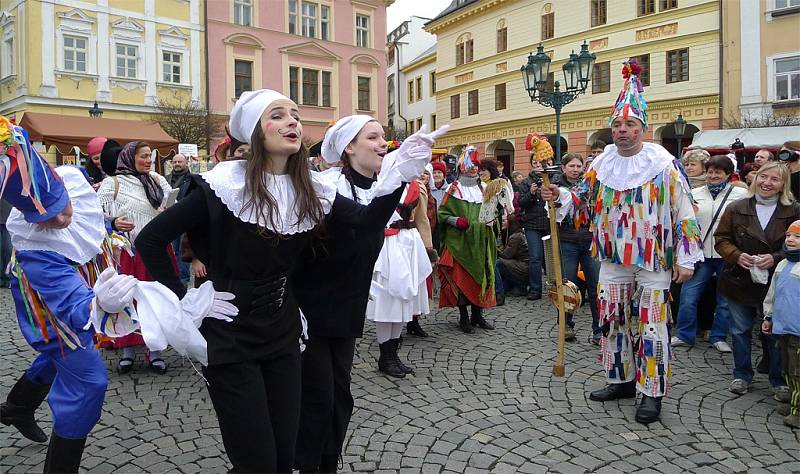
[
  {"x": 138, "y": 194},
  {"x": 711, "y": 201}
]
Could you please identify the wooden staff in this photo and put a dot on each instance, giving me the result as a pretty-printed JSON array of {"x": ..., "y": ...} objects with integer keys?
[{"x": 558, "y": 368}]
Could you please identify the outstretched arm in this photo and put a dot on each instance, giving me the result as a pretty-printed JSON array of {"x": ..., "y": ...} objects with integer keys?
[{"x": 373, "y": 216}]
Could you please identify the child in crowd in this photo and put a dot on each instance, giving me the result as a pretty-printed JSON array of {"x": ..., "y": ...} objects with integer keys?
[{"x": 781, "y": 317}]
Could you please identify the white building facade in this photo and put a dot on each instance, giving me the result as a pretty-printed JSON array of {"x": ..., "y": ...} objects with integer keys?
[{"x": 411, "y": 75}]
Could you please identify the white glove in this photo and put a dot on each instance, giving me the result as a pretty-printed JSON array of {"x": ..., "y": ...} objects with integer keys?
[
  {"x": 114, "y": 292},
  {"x": 221, "y": 309}
]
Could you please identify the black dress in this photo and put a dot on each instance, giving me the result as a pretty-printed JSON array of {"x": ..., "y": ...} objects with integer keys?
[
  {"x": 332, "y": 287},
  {"x": 253, "y": 367}
]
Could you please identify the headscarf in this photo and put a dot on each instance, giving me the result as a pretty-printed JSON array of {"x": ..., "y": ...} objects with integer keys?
[{"x": 126, "y": 165}]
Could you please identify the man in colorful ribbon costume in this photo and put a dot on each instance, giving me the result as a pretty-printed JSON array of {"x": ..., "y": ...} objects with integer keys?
[
  {"x": 466, "y": 267},
  {"x": 61, "y": 247},
  {"x": 638, "y": 204}
]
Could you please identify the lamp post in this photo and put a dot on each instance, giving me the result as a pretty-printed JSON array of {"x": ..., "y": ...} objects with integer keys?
[
  {"x": 680, "y": 129},
  {"x": 95, "y": 111},
  {"x": 577, "y": 74}
]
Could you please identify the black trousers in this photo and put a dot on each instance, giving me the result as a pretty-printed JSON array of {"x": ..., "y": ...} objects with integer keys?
[
  {"x": 327, "y": 403},
  {"x": 258, "y": 408}
]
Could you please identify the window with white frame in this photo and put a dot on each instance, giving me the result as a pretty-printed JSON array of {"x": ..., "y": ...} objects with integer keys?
[
  {"x": 127, "y": 56},
  {"x": 243, "y": 12},
  {"x": 779, "y": 4},
  {"x": 309, "y": 20},
  {"x": 787, "y": 78},
  {"x": 171, "y": 67},
  {"x": 362, "y": 31},
  {"x": 7, "y": 65},
  {"x": 292, "y": 17},
  {"x": 74, "y": 53}
]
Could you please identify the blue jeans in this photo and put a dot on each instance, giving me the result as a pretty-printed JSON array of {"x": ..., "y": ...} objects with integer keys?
[
  {"x": 535, "y": 259},
  {"x": 182, "y": 266},
  {"x": 692, "y": 291},
  {"x": 742, "y": 334},
  {"x": 505, "y": 280},
  {"x": 572, "y": 254}
]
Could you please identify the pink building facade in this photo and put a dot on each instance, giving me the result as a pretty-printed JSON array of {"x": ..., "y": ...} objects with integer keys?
[{"x": 327, "y": 55}]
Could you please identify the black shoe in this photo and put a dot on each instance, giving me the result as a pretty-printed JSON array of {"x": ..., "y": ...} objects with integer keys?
[
  {"x": 20, "y": 406},
  {"x": 329, "y": 463},
  {"x": 517, "y": 292},
  {"x": 533, "y": 296},
  {"x": 64, "y": 455},
  {"x": 124, "y": 368},
  {"x": 649, "y": 410},
  {"x": 463, "y": 320},
  {"x": 387, "y": 363},
  {"x": 500, "y": 299},
  {"x": 614, "y": 391},
  {"x": 414, "y": 329},
  {"x": 477, "y": 319},
  {"x": 396, "y": 343}
]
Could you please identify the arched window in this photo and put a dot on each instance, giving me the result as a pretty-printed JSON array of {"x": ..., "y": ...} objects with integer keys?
[
  {"x": 464, "y": 49},
  {"x": 502, "y": 36}
]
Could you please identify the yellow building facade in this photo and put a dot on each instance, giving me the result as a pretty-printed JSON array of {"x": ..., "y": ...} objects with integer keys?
[
  {"x": 482, "y": 44},
  {"x": 62, "y": 56},
  {"x": 761, "y": 53}
]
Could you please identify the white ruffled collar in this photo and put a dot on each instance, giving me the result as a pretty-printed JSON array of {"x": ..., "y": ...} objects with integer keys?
[
  {"x": 470, "y": 193},
  {"x": 338, "y": 179},
  {"x": 227, "y": 180},
  {"x": 628, "y": 172},
  {"x": 81, "y": 241}
]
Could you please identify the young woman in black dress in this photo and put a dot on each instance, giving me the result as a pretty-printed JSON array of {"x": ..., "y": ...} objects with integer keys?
[{"x": 251, "y": 222}]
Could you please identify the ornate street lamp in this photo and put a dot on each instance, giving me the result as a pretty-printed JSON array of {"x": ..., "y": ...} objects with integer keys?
[
  {"x": 577, "y": 74},
  {"x": 95, "y": 111},
  {"x": 680, "y": 129}
]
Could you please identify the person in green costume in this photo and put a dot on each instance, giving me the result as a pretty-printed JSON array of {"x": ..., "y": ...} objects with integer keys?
[{"x": 466, "y": 267}]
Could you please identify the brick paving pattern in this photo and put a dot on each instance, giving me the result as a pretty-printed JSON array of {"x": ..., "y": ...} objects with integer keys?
[{"x": 477, "y": 403}]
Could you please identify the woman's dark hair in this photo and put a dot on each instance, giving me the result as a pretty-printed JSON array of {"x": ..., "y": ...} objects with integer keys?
[
  {"x": 141, "y": 145},
  {"x": 570, "y": 157},
  {"x": 95, "y": 173},
  {"x": 307, "y": 204},
  {"x": 720, "y": 162},
  {"x": 347, "y": 171},
  {"x": 490, "y": 166}
]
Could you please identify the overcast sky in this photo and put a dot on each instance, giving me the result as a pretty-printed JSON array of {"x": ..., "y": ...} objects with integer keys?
[{"x": 401, "y": 10}]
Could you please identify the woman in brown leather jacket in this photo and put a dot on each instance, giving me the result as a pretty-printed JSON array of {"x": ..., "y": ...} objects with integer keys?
[{"x": 750, "y": 234}]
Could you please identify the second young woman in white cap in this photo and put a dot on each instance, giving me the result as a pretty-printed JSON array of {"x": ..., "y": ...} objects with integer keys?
[{"x": 251, "y": 221}]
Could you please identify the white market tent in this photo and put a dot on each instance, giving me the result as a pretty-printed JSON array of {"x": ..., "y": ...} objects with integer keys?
[{"x": 753, "y": 138}]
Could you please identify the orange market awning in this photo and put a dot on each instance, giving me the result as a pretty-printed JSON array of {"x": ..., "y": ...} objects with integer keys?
[{"x": 65, "y": 132}]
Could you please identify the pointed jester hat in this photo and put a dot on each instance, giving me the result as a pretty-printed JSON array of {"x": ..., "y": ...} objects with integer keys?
[
  {"x": 630, "y": 102},
  {"x": 29, "y": 183},
  {"x": 468, "y": 158}
]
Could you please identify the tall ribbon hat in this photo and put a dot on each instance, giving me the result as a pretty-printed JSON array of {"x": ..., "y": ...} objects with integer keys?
[
  {"x": 630, "y": 102},
  {"x": 29, "y": 183},
  {"x": 468, "y": 158}
]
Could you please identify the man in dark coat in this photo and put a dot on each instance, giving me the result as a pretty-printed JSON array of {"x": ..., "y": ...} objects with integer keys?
[{"x": 533, "y": 217}]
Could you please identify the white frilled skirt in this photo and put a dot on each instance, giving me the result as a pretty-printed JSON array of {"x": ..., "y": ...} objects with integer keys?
[{"x": 398, "y": 289}]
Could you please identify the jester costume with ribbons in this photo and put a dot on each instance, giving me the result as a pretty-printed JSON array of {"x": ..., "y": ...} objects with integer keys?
[{"x": 640, "y": 214}]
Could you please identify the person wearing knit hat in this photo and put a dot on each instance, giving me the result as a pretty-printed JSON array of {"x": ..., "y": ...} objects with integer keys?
[
  {"x": 641, "y": 245},
  {"x": 440, "y": 184},
  {"x": 782, "y": 320},
  {"x": 266, "y": 206},
  {"x": 94, "y": 149}
]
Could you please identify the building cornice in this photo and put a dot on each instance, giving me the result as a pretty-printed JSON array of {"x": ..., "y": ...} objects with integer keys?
[
  {"x": 431, "y": 58},
  {"x": 594, "y": 33},
  {"x": 546, "y": 123},
  {"x": 460, "y": 15}
]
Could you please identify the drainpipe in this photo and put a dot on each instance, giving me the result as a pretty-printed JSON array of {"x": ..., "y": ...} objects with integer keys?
[
  {"x": 721, "y": 67},
  {"x": 208, "y": 96},
  {"x": 397, "y": 86}
]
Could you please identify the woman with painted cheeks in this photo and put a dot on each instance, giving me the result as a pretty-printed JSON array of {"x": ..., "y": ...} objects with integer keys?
[{"x": 252, "y": 221}]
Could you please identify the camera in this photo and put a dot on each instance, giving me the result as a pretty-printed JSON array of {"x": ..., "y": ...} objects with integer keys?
[{"x": 786, "y": 155}]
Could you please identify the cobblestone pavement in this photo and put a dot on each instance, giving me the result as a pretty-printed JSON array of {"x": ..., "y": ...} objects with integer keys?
[{"x": 480, "y": 402}]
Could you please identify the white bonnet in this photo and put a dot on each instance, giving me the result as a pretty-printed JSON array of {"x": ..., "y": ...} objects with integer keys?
[
  {"x": 341, "y": 134},
  {"x": 248, "y": 110}
]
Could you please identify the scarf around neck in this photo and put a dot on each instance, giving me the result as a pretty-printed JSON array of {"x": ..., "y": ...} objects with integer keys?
[
  {"x": 126, "y": 165},
  {"x": 792, "y": 255},
  {"x": 766, "y": 201},
  {"x": 715, "y": 189}
]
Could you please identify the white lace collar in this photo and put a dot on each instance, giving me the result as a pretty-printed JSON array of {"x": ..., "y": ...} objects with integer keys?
[
  {"x": 627, "y": 172},
  {"x": 81, "y": 241},
  {"x": 335, "y": 177},
  {"x": 471, "y": 193},
  {"x": 227, "y": 180}
]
